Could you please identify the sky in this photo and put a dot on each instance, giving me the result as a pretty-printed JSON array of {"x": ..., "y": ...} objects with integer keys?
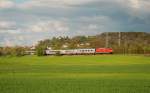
[{"x": 24, "y": 22}]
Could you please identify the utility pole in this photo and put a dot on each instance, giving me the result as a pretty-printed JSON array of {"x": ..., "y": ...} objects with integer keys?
[
  {"x": 106, "y": 44},
  {"x": 119, "y": 40}
]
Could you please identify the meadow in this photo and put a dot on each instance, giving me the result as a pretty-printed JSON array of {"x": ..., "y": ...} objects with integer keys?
[{"x": 75, "y": 74}]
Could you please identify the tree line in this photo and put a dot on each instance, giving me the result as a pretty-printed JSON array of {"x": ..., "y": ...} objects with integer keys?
[
  {"x": 120, "y": 42},
  {"x": 13, "y": 51}
]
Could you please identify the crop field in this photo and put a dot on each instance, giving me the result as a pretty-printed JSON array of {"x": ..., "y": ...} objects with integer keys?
[{"x": 75, "y": 74}]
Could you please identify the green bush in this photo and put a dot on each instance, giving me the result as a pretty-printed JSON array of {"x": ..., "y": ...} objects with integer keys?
[
  {"x": 19, "y": 51},
  {"x": 40, "y": 51}
]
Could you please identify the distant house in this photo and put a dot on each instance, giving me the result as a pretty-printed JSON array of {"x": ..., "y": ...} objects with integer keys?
[
  {"x": 64, "y": 46},
  {"x": 83, "y": 44},
  {"x": 33, "y": 48},
  {"x": 31, "y": 51},
  {"x": 49, "y": 48}
]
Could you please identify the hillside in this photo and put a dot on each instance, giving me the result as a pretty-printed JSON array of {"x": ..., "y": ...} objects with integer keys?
[{"x": 123, "y": 42}]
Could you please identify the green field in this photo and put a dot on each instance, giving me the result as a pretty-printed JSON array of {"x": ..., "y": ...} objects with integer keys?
[{"x": 75, "y": 74}]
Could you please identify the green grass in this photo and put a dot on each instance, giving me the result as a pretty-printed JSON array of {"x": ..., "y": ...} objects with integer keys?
[{"x": 75, "y": 74}]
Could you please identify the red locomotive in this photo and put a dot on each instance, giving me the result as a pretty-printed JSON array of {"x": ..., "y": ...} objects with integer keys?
[{"x": 104, "y": 50}]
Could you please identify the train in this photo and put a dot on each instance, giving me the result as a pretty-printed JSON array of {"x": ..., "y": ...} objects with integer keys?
[{"x": 86, "y": 51}]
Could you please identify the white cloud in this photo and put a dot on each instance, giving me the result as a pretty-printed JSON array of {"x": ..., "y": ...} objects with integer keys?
[
  {"x": 29, "y": 4},
  {"x": 77, "y": 2},
  {"x": 8, "y": 42},
  {"x": 39, "y": 3},
  {"x": 135, "y": 4},
  {"x": 17, "y": 31},
  {"x": 7, "y": 25},
  {"x": 64, "y": 3},
  {"x": 145, "y": 5},
  {"x": 49, "y": 26},
  {"x": 52, "y": 3},
  {"x": 92, "y": 26},
  {"x": 6, "y": 4}
]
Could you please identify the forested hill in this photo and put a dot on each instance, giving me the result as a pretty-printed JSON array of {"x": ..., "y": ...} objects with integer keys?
[{"x": 121, "y": 42}]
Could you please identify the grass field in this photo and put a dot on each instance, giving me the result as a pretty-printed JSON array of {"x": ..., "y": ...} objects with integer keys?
[{"x": 75, "y": 74}]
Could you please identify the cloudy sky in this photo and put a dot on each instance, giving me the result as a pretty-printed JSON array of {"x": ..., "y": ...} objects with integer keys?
[{"x": 24, "y": 22}]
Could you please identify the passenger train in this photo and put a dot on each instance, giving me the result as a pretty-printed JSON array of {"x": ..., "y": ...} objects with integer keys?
[{"x": 89, "y": 51}]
